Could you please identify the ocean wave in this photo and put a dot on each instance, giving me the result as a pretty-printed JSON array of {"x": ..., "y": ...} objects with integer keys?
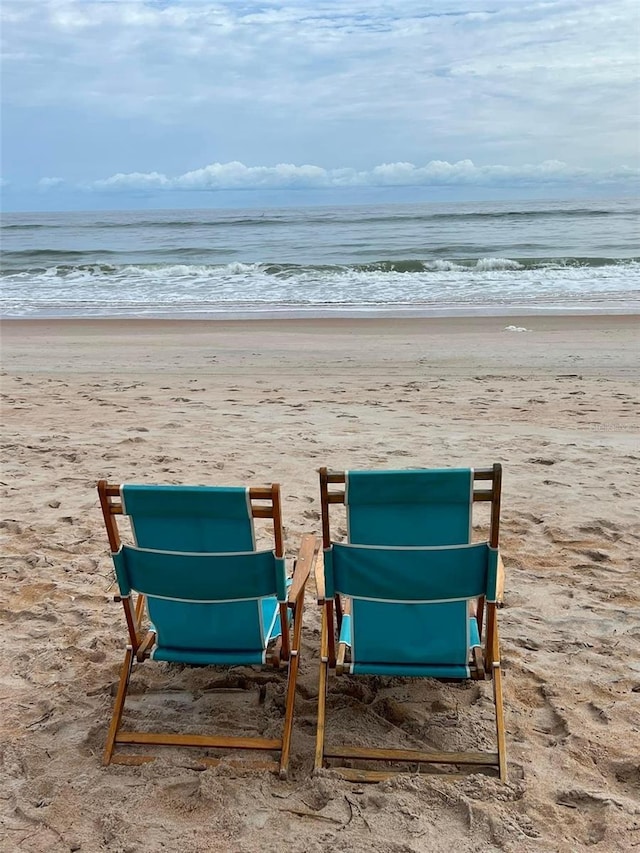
[
  {"x": 125, "y": 290},
  {"x": 257, "y": 220},
  {"x": 287, "y": 270},
  {"x": 270, "y": 218}
]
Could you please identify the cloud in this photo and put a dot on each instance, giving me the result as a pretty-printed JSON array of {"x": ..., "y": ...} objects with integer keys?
[
  {"x": 236, "y": 175},
  {"x": 49, "y": 183}
]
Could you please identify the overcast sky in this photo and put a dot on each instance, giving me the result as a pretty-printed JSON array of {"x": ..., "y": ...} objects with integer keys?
[{"x": 161, "y": 103}]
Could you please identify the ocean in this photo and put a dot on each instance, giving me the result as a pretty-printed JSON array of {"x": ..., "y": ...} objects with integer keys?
[{"x": 419, "y": 259}]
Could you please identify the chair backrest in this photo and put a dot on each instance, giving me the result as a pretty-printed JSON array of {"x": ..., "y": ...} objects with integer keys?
[
  {"x": 195, "y": 559},
  {"x": 413, "y": 507},
  {"x": 190, "y": 518}
]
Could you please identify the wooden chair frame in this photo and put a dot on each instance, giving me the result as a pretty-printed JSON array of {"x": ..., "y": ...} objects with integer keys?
[
  {"x": 486, "y": 664},
  {"x": 265, "y": 503}
]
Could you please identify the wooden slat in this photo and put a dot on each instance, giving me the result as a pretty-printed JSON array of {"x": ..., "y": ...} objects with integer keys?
[
  {"x": 478, "y": 669},
  {"x": 331, "y": 633},
  {"x": 215, "y": 742},
  {"x": 322, "y": 693},
  {"x": 483, "y": 473},
  {"x": 500, "y": 728},
  {"x": 260, "y": 493},
  {"x": 377, "y": 754},
  {"x": 278, "y": 533},
  {"x": 342, "y": 651},
  {"x": 494, "y": 530},
  {"x": 144, "y": 648},
  {"x": 319, "y": 579},
  {"x": 305, "y": 562},
  {"x": 335, "y": 498},
  {"x": 118, "y": 706},
  {"x": 262, "y": 511},
  {"x": 291, "y": 682}
]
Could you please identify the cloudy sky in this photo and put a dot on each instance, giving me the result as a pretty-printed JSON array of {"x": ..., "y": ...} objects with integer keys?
[{"x": 174, "y": 103}]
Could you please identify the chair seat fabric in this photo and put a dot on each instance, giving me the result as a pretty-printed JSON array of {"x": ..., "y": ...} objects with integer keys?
[
  {"x": 202, "y": 632},
  {"x": 414, "y": 646}
]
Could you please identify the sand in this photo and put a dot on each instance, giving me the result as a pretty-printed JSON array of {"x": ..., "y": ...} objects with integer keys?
[{"x": 252, "y": 402}]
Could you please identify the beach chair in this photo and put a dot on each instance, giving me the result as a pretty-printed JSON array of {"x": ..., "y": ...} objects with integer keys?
[
  {"x": 211, "y": 597},
  {"x": 408, "y": 594}
]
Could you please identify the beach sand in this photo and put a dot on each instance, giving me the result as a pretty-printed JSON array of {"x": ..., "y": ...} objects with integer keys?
[{"x": 248, "y": 403}]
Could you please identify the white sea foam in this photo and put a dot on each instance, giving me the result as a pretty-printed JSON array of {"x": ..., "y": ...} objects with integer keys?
[
  {"x": 132, "y": 289},
  {"x": 497, "y": 264},
  {"x": 443, "y": 266}
]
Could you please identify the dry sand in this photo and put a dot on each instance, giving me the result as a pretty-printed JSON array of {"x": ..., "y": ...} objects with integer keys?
[{"x": 248, "y": 403}]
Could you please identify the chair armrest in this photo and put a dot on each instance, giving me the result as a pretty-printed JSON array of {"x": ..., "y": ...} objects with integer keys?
[
  {"x": 500, "y": 583},
  {"x": 319, "y": 578},
  {"x": 306, "y": 559}
]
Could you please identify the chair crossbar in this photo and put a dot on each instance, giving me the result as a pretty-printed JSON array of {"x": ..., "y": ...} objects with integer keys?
[
  {"x": 212, "y": 741},
  {"x": 379, "y": 754}
]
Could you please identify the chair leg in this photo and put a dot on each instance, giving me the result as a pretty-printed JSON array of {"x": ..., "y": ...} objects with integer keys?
[
  {"x": 288, "y": 717},
  {"x": 294, "y": 660},
  {"x": 322, "y": 692},
  {"x": 121, "y": 695},
  {"x": 500, "y": 729}
]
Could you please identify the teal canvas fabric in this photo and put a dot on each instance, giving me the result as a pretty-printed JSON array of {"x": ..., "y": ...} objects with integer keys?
[
  {"x": 410, "y": 606},
  {"x": 208, "y": 519},
  {"x": 200, "y": 577},
  {"x": 410, "y": 640},
  {"x": 410, "y": 572},
  {"x": 211, "y": 597},
  {"x": 418, "y": 507}
]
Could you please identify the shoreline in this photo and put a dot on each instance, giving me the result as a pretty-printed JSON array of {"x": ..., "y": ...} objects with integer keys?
[
  {"x": 587, "y": 319},
  {"x": 350, "y": 313}
]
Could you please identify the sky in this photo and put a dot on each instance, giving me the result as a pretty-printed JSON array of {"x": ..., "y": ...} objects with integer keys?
[{"x": 134, "y": 104}]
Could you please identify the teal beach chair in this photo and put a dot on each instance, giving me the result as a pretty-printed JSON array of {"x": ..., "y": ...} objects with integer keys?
[
  {"x": 196, "y": 591},
  {"x": 410, "y": 595}
]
